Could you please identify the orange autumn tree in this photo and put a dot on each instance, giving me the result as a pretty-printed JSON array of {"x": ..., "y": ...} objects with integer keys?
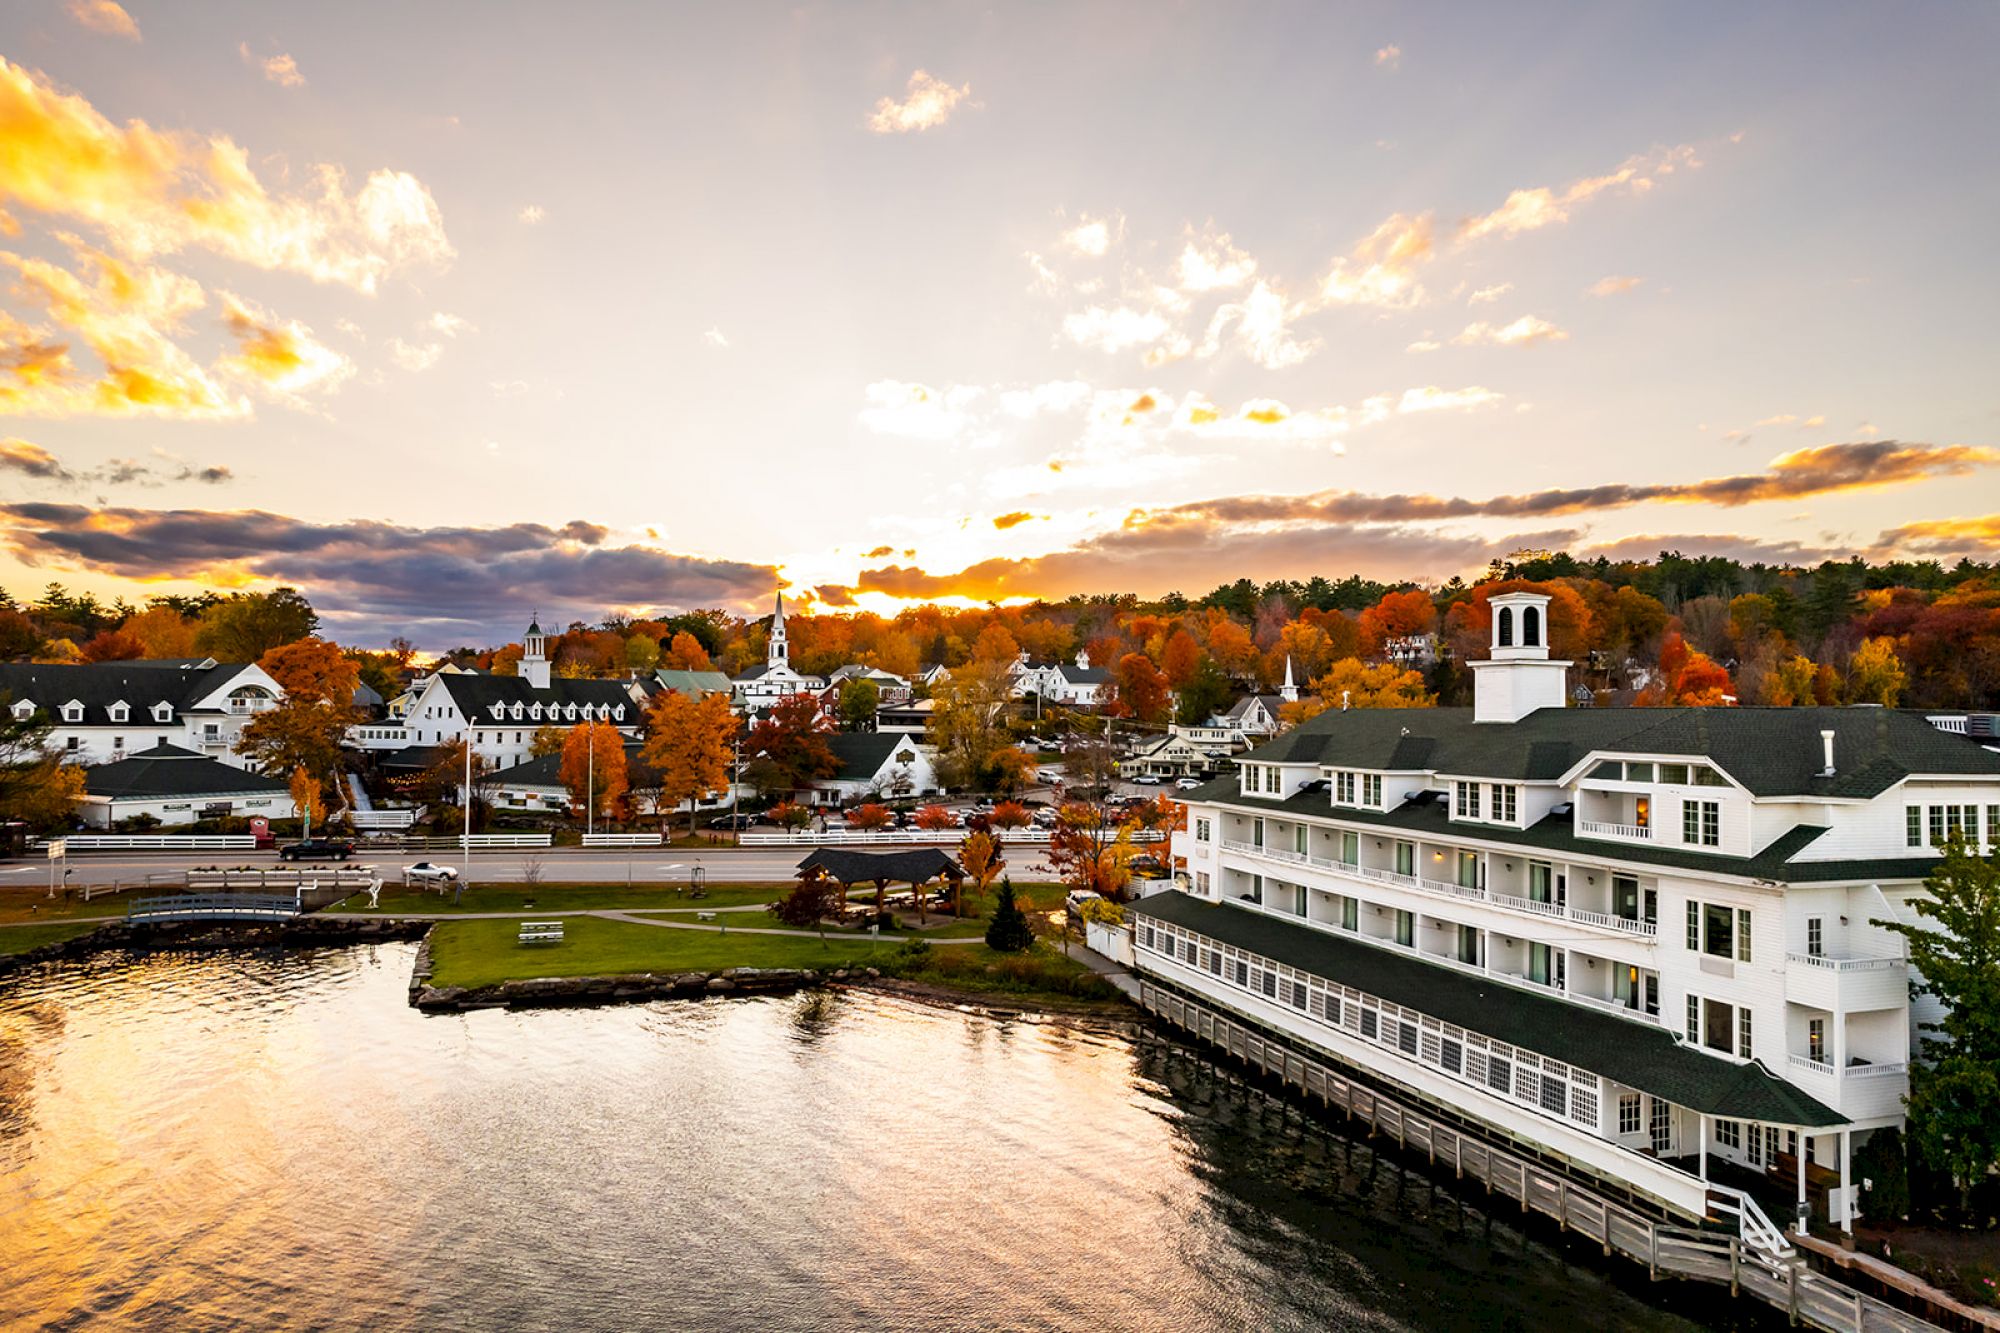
[
  {"x": 307, "y": 803},
  {"x": 688, "y": 744},
  {"x": 869, "y": 818},
  {"x": 1688, "y": 678},
  {"x": 979, "y": 856},
  {"x": 932, "y": 818},
  {"x": 1010, "y": 814},
  {"x": 593, "y": 768},
  {"x": 685, "y": 653},
  {"x": 306, "y": 728}
]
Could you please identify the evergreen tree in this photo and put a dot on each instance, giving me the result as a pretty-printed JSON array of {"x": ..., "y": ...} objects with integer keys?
[
  {"x": 1008, "y": 931},
  {"x": 1954, "y": 1102}
]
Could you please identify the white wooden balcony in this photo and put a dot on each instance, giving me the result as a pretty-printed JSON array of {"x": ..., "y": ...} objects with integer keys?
[
  {"x": 1846, "y": 985},
  {"x": 1447, "y": 889},
  {"x": 1861, "y": 1092},
  {"x": 1593, "y": 828}
]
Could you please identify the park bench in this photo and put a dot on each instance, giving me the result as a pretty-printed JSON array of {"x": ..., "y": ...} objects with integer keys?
[
  {"x": 704, "y": 916},
  {"x": 541, "y": 932}
]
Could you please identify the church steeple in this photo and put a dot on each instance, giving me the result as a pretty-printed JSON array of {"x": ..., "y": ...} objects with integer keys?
[
  {"x": 1290, "y": 692},
  {"x": 778, "y": 653}
]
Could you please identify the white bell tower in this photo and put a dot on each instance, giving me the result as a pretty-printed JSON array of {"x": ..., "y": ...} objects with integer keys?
[
  {"x": 779, "y": 652},
  {"x": 534, "y": 666},
  {"x": 1519, "y": 677}
]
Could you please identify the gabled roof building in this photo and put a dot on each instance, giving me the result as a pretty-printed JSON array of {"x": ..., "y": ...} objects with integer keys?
[
  {"x": 1644, "y": 941},
  {"x": 100, "y": 712}
]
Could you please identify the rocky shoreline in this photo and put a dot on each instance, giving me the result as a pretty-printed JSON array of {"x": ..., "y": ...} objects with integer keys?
[
  {"x": 305, "y": 932},
  {"x": 530, "y": 992}
]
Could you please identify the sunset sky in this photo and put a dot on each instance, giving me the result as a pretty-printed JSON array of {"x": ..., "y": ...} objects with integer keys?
[{"x": 451, "y": 313}]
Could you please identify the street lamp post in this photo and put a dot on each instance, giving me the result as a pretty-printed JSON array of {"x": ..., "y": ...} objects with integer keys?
[
  {"x": 589, "y": 779},
  {"x": 465, "y": 858}
]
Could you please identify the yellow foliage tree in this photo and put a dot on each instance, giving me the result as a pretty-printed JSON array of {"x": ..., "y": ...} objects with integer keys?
[
  {"x": 688, "y": 743},
  {"x": 1875, "y": 674},
  {"x": 307, "y": 799},
  {"x": 1354, "y": 683}
]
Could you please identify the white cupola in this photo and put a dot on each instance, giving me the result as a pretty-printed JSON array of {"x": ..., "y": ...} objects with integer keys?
[
  {"x": 1519, "y": 677},
  {"x": 534, "y": 666}
]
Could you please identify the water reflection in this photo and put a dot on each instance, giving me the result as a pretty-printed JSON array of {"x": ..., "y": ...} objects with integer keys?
[{"x": 276, "y": 1139}]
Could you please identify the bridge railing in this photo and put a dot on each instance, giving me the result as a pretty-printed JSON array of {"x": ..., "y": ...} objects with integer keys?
[{"x": 212, "y": 907}]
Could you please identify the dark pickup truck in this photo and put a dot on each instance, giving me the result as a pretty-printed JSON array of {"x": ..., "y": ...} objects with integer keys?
[{"x": 316, "y": 849}]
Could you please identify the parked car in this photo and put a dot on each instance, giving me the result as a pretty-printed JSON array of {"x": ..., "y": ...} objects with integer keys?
[
  {"x": 1148, "y": 779},
  {"x": 732, "y": 822},
  {"x": 430, "y": 872},
  {"x": 1186, "y": 784},
  {"x": 1048, "y": 777},
  {"x": 316, "y": 849},
  {"x": 1074, "y": 900},
  {"x": 1046, "y": 817}
]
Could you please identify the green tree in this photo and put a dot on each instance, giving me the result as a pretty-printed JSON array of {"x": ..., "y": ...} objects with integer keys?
[
  {"x": 36, "y": 787},
  {"x": 244, "y": 627},
  {"x": 1008, "y": 931},
  {"x": 1954, "y": 1102},
  {"x": 858, "y": 701}
]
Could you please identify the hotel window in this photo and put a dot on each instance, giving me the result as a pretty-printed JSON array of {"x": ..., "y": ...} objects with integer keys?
[
  {"x": 1242, "y": 973},
  {"x": 1201, "y": 882},
  {"x": 1744, "y": 1047},
  {"x": 1201, "y": 830},
  {"x": 1719, "y": 932},
  {"x": 1406, "y": 858},
  {"x": 1628, "y": 1113},
  {"x": 1499, "y": 1074},
  {"x": 1371, "y": 790},
  {"x": 1214, "y": 962},
  {"x": 1371, "y": 1024},
  {"x": 1350, "y": 849},
  {"x": 1815, "y": 937},
  {"x": 1350, "y": 914},
  {"x": 1694, "y": 1019},
  {"x": 1504, "y": 804},
  {"x": 1816, "y": 1039},
  {"x": 1343, "y": 788},
  {"x": 1729, "y": 1133},
  {"x": 1701, "y": 823},
  {"x": 1993, "y": 828},
  {"x": 1674, "y": 775},
  {"x": 1406, "y": 928},
  {"x": 1467, "y": 806},
  {"x": 1468, "y": 945},
  {"x": 1272, "y": 780},
  {"x": 1541, "y": 882},
  {"x": 1299, "y": 833}
]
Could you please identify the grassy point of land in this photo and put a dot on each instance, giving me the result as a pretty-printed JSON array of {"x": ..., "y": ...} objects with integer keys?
[
  {"x": 484, "y": 953},
  {"x": 34, "y": 905},
  {"x": 20, "y": 939}
]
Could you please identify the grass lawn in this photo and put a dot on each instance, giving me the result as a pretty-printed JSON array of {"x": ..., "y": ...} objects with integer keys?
[
  {"x": 562, "y": 897},
  {"x": 481, "y": 953},
  {"x": 20, "y": 939},
  {"x": 18, "y": 904}
]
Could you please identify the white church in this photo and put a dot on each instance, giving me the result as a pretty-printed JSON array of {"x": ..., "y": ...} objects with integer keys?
[{"x": 761, "y": 687}]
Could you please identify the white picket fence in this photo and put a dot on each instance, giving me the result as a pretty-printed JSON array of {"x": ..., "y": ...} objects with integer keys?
[
  {"x": 902, "y": 837},
  {"x": 623, "y": 839},
  {"x": 156, "y": 842},
  {"x": 500, "y": 840},
  {"x": 371, "y": 820}
]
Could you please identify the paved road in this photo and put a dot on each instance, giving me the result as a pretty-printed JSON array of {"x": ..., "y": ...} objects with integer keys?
[{"x": 566, "y": 865}]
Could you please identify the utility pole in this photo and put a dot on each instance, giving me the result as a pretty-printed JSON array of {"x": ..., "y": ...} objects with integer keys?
[
  {"x": 465, "y": 858},
  {"x": 589, "y": 779}
]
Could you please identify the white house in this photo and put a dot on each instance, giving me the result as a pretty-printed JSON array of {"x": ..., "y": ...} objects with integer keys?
[
  {"x": 890, "y": 687},
  {"x": 178, "y": 786},
  {"x": 761, "y": 687},
  {"x": 99, "y": 712},
  {"x": 1077, "y": 684},
  {"x": 877, "y": 765},
  {"x": 502, "y": 713},
  {"x": 1168, "y": 756},
  {"x": 1641, "y": 940}
]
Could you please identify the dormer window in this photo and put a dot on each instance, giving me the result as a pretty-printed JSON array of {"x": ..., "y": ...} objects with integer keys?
[
  {"x": 72, "y": 711},
  {"x": 1465, "y": 800},
  {"x": 120, "y": 712},
  {"x": 535, "y": 711},
  {"x": 24, "y": 710},
  {"x": 619, "y": 711},
  {"x": 163, "y": 712}
]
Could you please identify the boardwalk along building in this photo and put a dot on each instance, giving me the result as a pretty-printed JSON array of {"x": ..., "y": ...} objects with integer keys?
[{"x": 1641, "y": 942}]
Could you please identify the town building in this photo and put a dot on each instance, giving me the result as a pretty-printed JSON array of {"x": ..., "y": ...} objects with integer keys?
[
  {"x": 501, "y": 714},
  {"x": 100, "y": 712},
  {"x": 761, "y": 687},
  {"x": 1075, "y": 684},
  {"x": 876, "y": 766},
  {"x": 1168, "y": 756},
  {"x": 177, "y": 786},
  {"x": 1640, "y": 941},
  {"x": 912, "y": 718},
  {"x": 693, "y": 684}
]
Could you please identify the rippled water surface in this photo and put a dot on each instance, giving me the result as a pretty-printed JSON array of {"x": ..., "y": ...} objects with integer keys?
[{"x": 259, "y": 1140}]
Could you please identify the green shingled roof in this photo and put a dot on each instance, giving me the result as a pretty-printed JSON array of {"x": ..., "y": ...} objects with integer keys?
[
  {"x": 1771, "y": 751},
  {"x": 1642, "y": 1056}
]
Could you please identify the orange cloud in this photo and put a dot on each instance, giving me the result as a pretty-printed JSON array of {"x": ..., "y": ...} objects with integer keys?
[
  {"x": 155, "y": 192},
  {"x": 1381, "y": 271},
  {"x": 1530, "y": 210},
  {"x": 1014, "y": 520},
  {"x": 282, "y": 357},
  {"x": 104, "y": 16}
]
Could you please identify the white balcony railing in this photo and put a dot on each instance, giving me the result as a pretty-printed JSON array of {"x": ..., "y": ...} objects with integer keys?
[
  {"x": 1592, "y": 828},
  {"x": 1810, "y": 1065},
  {"x": 1843, "y": 964},
  {"x": 1952, "y": 723},
  {"x": 1442, "y": 888}
]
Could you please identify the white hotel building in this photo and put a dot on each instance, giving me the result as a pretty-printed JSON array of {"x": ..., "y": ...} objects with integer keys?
[{"x": 1614, "y": 937}]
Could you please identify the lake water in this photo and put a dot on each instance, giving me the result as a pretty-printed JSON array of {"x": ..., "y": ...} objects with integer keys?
[{"x": 267, "y": 1139}]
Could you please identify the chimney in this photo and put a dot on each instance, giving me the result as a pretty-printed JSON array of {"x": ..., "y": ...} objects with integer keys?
[{"x": 1826, "y": 744}]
